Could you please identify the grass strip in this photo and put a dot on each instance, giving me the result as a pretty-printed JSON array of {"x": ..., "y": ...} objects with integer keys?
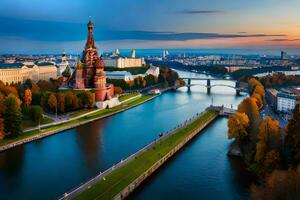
[{"x": 121, "y": 177}]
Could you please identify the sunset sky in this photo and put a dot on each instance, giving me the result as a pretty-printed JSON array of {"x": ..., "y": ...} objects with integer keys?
[{"x": 48, "y": 26}]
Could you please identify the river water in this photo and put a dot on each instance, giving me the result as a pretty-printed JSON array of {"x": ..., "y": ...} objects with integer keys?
[{"x": 47, "y": 168}]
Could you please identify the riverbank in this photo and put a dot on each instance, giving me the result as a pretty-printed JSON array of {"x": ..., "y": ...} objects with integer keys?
[
  {"x": 120, "y": 180},
  {"x": 37, "y": 134}
]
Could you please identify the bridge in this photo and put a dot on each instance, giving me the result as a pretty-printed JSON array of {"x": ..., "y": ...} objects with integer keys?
[{"x": 238, "y": 86}]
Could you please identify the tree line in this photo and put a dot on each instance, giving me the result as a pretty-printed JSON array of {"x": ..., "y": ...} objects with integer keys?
[
  {"x": 271, "y": 153},
  {"x": 167, "y": 77},
  {"x": 28, "y": 101}
]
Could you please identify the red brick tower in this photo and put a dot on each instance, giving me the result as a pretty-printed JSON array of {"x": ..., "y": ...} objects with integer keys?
[
  {"x": 100, "y": 81},
  {"x": 90, "y": 56}
]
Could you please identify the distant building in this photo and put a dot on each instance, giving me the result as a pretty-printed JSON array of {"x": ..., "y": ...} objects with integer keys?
[
  {"x": 284, "y": 55},
  {"x": 286, "y": 102},
  {"x": 63, "y": 63},
  {"x": 236, "y": 68},
  {"x": 116, "y": 60},
  {"x": 124, "y": 75},
  {"x": 20, "y": 72}
]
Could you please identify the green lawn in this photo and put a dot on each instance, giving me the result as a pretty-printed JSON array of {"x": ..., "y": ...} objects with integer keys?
[
  {"x": 96, "y": 115},
  {"x": 122, "y": 177},
  {"x": 128, "y": 96},
  {"x": 27, "y": 123}
]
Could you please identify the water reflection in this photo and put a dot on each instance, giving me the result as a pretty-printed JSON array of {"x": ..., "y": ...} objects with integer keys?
[{"x": 90, "y": 140}]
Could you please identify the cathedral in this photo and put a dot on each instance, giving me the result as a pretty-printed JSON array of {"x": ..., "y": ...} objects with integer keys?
[{"x": 89, "y": 71}]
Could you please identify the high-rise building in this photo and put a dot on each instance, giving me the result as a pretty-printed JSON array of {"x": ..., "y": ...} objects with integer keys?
[{"x": 284, "y": 55}]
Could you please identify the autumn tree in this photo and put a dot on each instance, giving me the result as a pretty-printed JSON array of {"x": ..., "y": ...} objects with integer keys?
[
  {"x": 12, "y": 116},
  {"x": 268, "y": 138},
  {"x": 35, "y": 88},
  {"x": 2, "y": 107},
  {"x": 292, "y": 141},
  {"x": 118, "y": 90},
  {"x": 69, "y": 98},
  {"x": 2, "y": 133},
  {"x": 250, "y": 108},
  {"x": 60, "y": 102},
  {"x": 281, "y": 184},
  {"x": 238, "y": 124},
  {"x": 87, "y": 99},
  {"x": 27, "y": 97},
  {"x": 52, "y": 102}
]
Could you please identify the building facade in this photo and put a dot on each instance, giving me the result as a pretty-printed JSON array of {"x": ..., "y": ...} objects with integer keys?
[
  {"x": 286, "y": 102},
  {"x": 20, "y": 72},
  {"x": 123, "y": 62}
]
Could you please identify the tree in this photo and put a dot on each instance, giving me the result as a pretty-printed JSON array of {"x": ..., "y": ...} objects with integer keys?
[
  {"x": 281, "y": 184},
  {"x": 12, "y": 116},
  {"x": 268, "y": 138},
  {"x": 292, "y": 141},
  {"x": 151, "y": 80},
  {"x": 2, "y": 133},
  {"x": 52, "y": 102},
  {"x": 258, "y": 100},
  {"x": 27, "y": 97},
  {"x": 60, "y": 102},
  {"x": 2, "y": 107},
  {"x": 35, "y": 88},
  {"x": 69, "y": 98},
  {"x": 118, "y": 90},
  {"x": 87, "y": 99},
  {"x": 36, "y": 113},
  {"x": 238, "y": 124}
]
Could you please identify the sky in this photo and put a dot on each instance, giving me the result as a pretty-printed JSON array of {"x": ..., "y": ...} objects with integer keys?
[{"x": 51, "y": 26}]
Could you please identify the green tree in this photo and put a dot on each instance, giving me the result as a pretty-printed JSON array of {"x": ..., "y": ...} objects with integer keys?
[
  {"x": 36, "y": 113},
  {"x": 12, "y": 116}
]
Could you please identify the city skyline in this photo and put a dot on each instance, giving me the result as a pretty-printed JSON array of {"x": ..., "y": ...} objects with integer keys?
[{"x": 51, "y": 26}]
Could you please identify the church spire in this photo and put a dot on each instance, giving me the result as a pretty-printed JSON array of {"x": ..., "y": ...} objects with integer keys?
[{"x": 90, "y": 40}]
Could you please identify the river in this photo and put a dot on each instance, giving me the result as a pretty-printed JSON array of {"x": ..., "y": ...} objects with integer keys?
[{"x": 47, "y": 168}]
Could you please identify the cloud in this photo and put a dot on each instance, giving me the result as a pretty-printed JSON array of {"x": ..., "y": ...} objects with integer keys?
[
  {"x": 64, "y": 31},
  {"x": 173, "y": 36},
  {"x": 192, "y": 12},
  {"x": 283, "y": 40}
]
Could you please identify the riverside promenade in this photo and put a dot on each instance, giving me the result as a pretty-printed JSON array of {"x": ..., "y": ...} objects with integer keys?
[{"x": 123, "y": 178}]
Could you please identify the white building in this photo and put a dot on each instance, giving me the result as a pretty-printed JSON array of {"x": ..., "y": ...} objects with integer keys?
[
  {"x": 63, "y": 63},
  {"x": 124, "y": 75},
  {"x": 20, "y": 72},
  {"x": 123, "y": 62},
  {"x": 286, "y": 102}
]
